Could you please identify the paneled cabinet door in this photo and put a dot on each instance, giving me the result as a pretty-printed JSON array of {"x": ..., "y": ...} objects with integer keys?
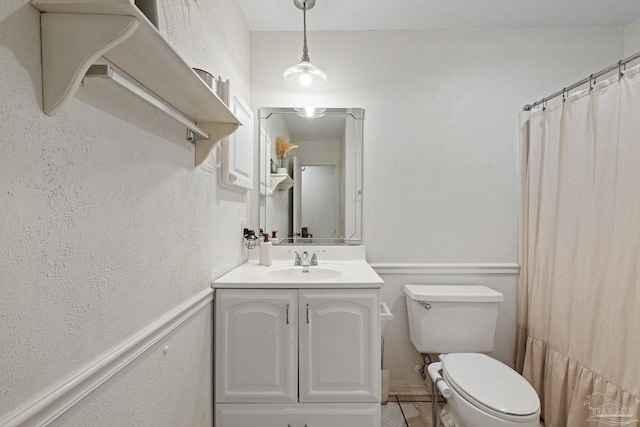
[
  {"x": 256, "y": 346},
  {"x": 237, "y": 148},
  {"x": 339, "y": 345}
]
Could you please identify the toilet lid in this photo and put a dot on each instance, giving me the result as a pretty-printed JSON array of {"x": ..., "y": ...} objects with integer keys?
[{"x": 490, "y": 384}]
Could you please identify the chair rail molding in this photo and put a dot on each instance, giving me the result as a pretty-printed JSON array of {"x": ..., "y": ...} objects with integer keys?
[{"x": 508, "y": 269}]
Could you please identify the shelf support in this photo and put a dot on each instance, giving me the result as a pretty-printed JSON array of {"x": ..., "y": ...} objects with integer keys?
[
  {"x": 70, "y": 44},
  {"x": 281, "y": 182},
  {"x": 217, "y": 131}
]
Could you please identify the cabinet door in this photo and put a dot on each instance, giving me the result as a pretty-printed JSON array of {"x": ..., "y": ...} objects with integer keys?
[
  {"x": 237, "y": 148},
  {"x": 339, "y": 345},
  {"x": 256, "y": 346}
]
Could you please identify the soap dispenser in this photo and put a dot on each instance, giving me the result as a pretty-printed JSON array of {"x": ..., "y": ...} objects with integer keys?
[{"x": 265, "y": 251}]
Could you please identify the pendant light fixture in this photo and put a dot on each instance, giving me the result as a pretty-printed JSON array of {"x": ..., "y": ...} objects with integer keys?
[{"x": 305, "y": 74}]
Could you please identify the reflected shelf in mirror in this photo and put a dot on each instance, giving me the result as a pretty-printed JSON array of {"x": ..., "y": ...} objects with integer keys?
[{"x": 281, "y": 182}]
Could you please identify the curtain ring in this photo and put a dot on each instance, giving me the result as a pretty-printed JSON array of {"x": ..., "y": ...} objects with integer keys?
[
  {"x": 592, "y": 81},
  {"x": 565, "y": 92},
  {"x": 620, "y": 68},
  {"x": 544, "y": 104}
]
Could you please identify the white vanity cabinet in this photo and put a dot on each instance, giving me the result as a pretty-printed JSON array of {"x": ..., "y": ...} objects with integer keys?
[
  {"x": 297, "y": 357},
  {"x": 256, "y": 345},
  {"x": 338, "y": 345}
]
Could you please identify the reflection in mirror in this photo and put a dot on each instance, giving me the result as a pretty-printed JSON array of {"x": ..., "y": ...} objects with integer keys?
[{"x": 314, "y": 194}]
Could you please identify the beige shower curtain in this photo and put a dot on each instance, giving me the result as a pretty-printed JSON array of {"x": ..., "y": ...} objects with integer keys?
[{"x": 579, "y": 316}]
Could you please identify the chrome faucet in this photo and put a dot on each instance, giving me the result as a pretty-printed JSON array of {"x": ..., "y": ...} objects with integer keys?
[
  {"x": 314, "y": 258},
  {"x": 298, "y": 260},
  {"x": 304, "y": 261}
]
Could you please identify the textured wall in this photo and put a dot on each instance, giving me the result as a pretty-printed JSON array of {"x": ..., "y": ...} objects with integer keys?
[
  {"x": 106, "y": 225},
  {"x": 632, "y": 38},
  {"x": 441, "y": 174}
]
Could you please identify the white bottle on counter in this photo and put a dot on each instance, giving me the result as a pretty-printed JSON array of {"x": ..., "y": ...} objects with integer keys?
[{"x": 265, "y": 251}]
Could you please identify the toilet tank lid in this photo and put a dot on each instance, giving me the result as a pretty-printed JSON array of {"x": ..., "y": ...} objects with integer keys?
[{"x": 452, "y": 293}]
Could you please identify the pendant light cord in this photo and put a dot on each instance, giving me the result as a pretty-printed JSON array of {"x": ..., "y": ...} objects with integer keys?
[{"x": 305, "y": 51}]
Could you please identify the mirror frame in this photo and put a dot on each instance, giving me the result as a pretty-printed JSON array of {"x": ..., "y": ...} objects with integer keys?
[{"x": 353, "y": 211}]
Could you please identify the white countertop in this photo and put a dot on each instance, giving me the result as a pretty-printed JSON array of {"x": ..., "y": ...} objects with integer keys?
[{"x": 338, "y": 267}]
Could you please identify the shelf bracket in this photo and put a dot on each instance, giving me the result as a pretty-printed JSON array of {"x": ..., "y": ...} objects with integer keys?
[
  {"x": 217, "y": 131},
  {"x": 70, "y": 44},
  {"x": 281, "y": 182}
]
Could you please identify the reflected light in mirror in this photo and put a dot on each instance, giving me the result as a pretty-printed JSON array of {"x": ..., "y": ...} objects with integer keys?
[{"x": 310, "y": 112}]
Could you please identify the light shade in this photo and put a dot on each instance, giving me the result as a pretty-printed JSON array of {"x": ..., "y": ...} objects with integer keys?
[{"x": 305, "y": 74}]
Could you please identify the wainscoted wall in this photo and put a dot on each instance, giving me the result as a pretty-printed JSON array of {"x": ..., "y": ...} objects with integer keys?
[
  {"x": 441, "y": 165},
  {"x": 106, "y": 227}
]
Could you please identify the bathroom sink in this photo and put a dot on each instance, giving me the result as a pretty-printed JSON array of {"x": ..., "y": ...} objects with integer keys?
[
  {"x": 337, "y": 267},
  {"x": 297, "y": 273}
]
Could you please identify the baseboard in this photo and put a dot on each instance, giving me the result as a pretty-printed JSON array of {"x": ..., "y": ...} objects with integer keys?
[
  {"x": 448, "y": 269},
  {"x": 48, "y": 406}
]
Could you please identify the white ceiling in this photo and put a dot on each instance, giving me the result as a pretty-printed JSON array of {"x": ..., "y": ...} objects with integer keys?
[{"x": 282, "y": 15}]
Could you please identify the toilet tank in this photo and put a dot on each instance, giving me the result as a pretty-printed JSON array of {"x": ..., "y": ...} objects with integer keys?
[{"x": 452, "y": 318}]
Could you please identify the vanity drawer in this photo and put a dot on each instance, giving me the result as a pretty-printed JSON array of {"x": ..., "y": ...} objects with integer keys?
[{"x": 298, "y": 415}]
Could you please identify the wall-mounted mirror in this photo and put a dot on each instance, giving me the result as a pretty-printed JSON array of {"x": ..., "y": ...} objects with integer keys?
[{"x": 314, "y": 194}]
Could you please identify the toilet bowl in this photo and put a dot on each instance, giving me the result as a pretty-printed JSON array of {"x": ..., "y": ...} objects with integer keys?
[
  {"x": 459, "y": 323},
  {"x": 487, "y": 393}
]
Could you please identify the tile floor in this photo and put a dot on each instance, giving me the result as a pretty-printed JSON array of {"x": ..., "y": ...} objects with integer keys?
[
  {"x": 407, "y": 411},
  {"x": 411, "y": 411}
]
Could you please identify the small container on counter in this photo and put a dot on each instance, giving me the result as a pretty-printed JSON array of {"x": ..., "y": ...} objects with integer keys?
[{"x": 265, "y": 251}]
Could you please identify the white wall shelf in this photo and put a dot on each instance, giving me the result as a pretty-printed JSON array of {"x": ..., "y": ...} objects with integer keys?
[
  {"x": 76, "y": 34},
  {"x": 282, "y": 182}
]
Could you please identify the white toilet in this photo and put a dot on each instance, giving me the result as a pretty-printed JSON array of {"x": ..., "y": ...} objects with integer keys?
[{"x": 458, "y": 322}]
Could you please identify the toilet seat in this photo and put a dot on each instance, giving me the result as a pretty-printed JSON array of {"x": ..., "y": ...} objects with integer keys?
[{"x": 491, "y": 386}]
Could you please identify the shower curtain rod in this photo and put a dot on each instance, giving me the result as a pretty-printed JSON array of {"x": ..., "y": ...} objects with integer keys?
[{"x": 591, "y": 78}]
